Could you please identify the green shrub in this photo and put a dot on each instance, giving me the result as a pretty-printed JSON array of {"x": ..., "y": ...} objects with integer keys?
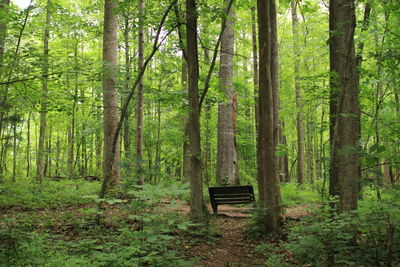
[{"x": 369, "y": 236}]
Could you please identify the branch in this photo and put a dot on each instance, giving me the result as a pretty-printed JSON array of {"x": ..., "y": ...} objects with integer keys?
[
  {"x": 207, "y": 82},
  {"x": 124, "y": 109},
  {"x": 380, "y": 164},
  {"x": 30, "y": 79}
]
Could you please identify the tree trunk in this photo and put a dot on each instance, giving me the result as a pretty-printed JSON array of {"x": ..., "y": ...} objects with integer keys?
[
  {"x": 140, "y": 98},
  {"x": 266, "y": 164},
  {"x": 110, "y": 94},
  {"x": 226, "y": 149},
  {"x": 196, "y": 185},
  {"x": 207, "y": 145},
  {"x": 275, "y": 84},
  {"x": 15, "y": 151},
  {"x": 43, "y": 111},
  {"x": 345, "y": 147},
  {"x": 299, "y": 119},
  {"x": 28, "y": 146},
  {"x": 127, "y": 129},
  {"x": 185, "y": 146}
]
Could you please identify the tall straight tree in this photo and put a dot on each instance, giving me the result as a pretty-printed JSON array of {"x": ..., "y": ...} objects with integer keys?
[
  {"x": 140, "y": 97},
  {"x": 43, "y": 108},
  {"x": 269, "y": 196},
  {"x": 299, "y": 118},
  {"x": 110, "y": 94},
  {"x": 227, "y": 165},
  {"x": 196, "y": 185},
  {"x": 346, "y": 132}
]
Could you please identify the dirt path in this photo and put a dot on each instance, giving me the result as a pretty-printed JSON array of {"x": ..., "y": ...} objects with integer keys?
[{"x": 234, "y": 246}]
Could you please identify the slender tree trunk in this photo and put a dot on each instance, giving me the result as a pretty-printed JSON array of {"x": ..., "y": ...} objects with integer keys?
[
  {"x": 285, "y": 159},
  {"x": 15, "y": 151},
  {"x": 58, "y": 156},
  {"x": 266, "y": 164},
  {"x": 226, "y": 149},
  {"x": 48, "y": 159},
  {"x": 207, "y": 145},
  {"x": 275, "y": 84},
  {"x": 347, "y": 126},
  {"x": 140, "y": 98},
  {"x": 71, "y": 134},
  {"x": 28, "y": 146},
  {"x": 185, "y": 145},
  {"x": 43, "y": 111},
  {"x": 309, "y": 153},
  {"x": 299, "y": 119},
  {"x": 196, "y": 185},
  {"x": 110, "y": 94},
  {"x": 127, "y": 129}
]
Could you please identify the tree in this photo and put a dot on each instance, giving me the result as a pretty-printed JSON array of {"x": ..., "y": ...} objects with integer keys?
[
  {"x": 110, "y": 94},
  {"x": 266, "y": 163},
  {"x": 140, "y": 97},
  {"x": 299, "y": 119},
  {"x": 196, "y": 185},
  {"x": 346, "y": 131},
  {"x": 45, "y": 70},
  {"x": 227, "y": 163}
]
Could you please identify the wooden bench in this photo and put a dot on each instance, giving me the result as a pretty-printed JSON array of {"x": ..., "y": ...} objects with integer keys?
[{"x": 230, "y": 195}]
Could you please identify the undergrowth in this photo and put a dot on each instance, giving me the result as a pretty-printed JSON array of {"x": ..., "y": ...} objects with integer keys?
[{"x": 143, "y": 235}]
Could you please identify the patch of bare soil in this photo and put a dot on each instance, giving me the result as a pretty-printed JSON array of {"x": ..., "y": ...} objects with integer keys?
[{"x": 234, "y": 246}]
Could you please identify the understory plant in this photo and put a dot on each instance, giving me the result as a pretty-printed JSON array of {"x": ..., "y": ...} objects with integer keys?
[{"x": 369, "y": 236}]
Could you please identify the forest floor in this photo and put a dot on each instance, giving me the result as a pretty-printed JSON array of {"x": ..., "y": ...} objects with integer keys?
[
  {"x": 64, "y": 226},
  {"x": 234, "y": 244}
]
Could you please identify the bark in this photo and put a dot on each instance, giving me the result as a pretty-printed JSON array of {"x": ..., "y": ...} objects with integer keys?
[
  {"x": 110, "y": 94},
  {"x": 15, "y": 151},
  {"x": 285, "y": 160},
  {"x": 207, "y": 145},
  {"x": 226, "y": 149},
  {"x": 140, "y": 98},
  {"x": 275, "y": 84},
  {"x": 43, "y": 108},
  {"x": 310, "y": 154},
  {"x": 299, "y": 118},
  {"x": 196, "y": 185},
  {"x": 255, "y": 66},
  {"x": 127, "y": 130},
  {"x": 345, "y": 146},
  {"x": 186, "y": 152},
  {"x": 71, "y": 134},
  {"x": 266, "y": 165},
  {"x": 28, "y": 146}
]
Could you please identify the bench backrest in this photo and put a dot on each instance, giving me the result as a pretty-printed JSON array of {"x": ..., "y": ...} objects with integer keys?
[{"x": 231, "y": 194}]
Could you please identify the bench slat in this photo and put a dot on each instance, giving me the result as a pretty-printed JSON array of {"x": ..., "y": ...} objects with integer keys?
[{"x": 230, "y": 195}]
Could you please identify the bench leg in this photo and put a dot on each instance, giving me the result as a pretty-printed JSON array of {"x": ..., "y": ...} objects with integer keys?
[{"x": 215, "y": 208}]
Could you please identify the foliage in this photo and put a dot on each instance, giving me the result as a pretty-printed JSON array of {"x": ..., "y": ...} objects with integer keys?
[
  {"x": 367, "y": 237},
  {"x": 293, "y": 194},
  {"x": 50, "y": 194}
]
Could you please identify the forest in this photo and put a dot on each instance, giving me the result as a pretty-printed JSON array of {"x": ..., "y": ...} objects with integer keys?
[{"x": 129, "y": 128}]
